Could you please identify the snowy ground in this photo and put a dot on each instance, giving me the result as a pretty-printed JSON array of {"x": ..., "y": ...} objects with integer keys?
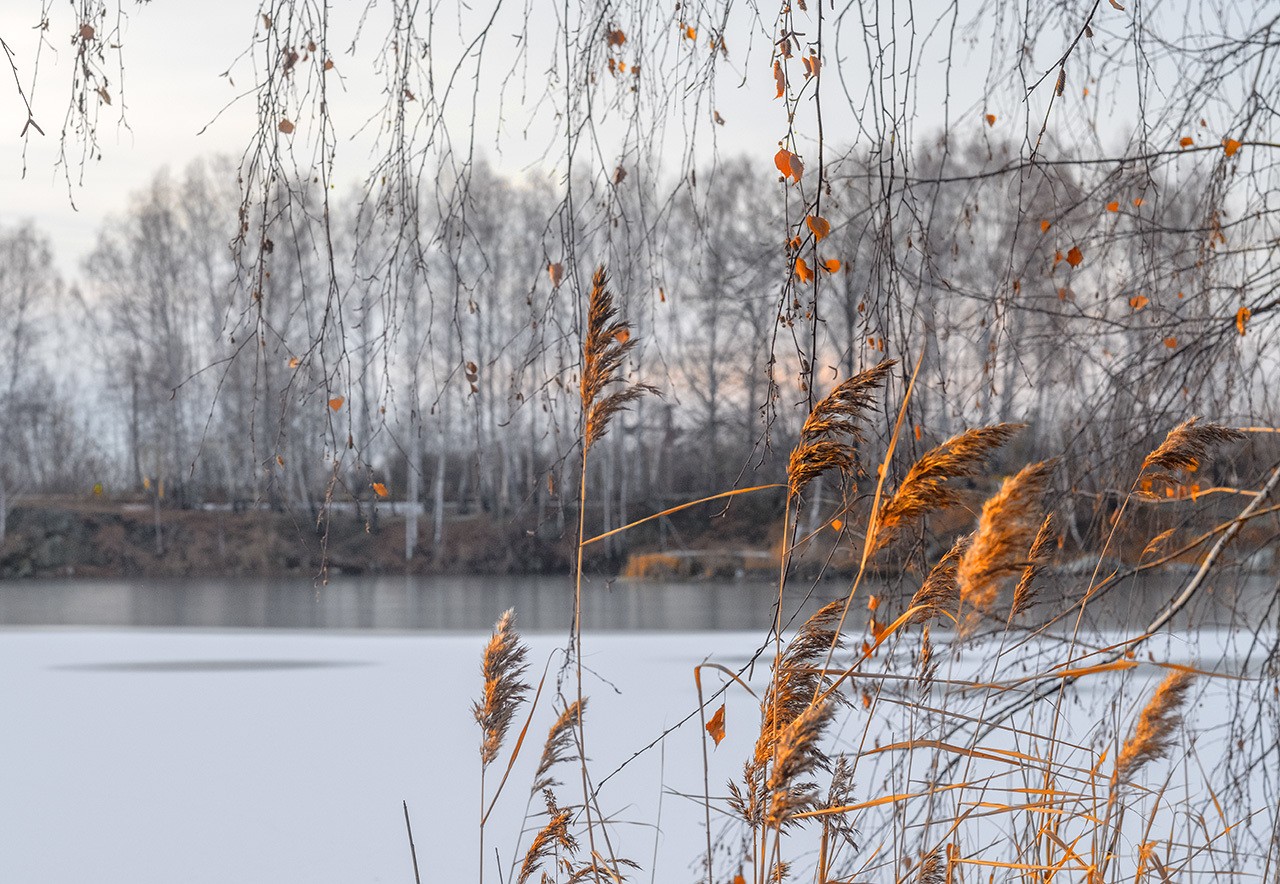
[{"x": 145, "y": 756}]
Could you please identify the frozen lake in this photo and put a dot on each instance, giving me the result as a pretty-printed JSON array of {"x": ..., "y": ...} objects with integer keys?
[{"x": 155, "y": 754}]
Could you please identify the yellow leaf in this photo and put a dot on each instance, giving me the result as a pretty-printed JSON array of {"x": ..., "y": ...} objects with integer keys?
[
  {"x": 97, "y": 489},
  {"x": 1075, "y": 256},
  {"x": 1137, "y": 302},
  {"x": 1230, "y": 145},
  {"x": 379, "y": 489},
  {"x": 991, "y": 119},
  {"x": 715, "y": 726},
  {"x": 336, "y": 402},
  {"x": 1242, "y": 319},
  {"x": 286, "y": 127},
  {"x": 820, "y": 226}
]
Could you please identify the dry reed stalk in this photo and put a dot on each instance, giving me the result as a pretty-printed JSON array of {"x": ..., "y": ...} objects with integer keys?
[
  {"x": 559, "y": 745},
  {"x": 940, "y": 592},
  {"x": 555, "y": 834},
  {"x": 831, "y": 432},
  {"x": 1006, "y": 529},
  {"x": 1025, "y": 592},
  {"x": 924, "y": 489},
  {"x": 606, "y": 346},
  {"x": 1156, "y": 725},
  {"x": 503, "y": 665},
  {"x": 1187, "y": 445}
]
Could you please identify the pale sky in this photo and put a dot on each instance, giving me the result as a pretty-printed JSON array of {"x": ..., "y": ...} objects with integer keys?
[{"x": 176, "y": 52}]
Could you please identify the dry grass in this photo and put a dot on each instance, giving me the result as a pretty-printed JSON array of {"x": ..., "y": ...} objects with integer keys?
[
  {"x": 605, "y": 348},
  {"x": 832, "y": 432}
]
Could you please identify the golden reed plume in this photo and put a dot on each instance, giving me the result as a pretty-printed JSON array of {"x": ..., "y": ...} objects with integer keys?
[
  {"x": 503, "y": 665},
  {"x": 606, "y": 346},
  {"x": 1187, "y": 445},
  {"x": 925, "y": 488},
  {"x": 1007, "y": 529},
  {"x": 831, "y": 432},
  {"x": 1156, "y": 725}
]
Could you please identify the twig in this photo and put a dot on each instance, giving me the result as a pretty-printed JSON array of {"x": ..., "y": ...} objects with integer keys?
[{"x": 412, "y": 850}]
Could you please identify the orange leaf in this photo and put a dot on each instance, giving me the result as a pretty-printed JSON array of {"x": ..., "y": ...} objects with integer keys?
[
  {"x": 336, "y": 402},
  {"x": 837, "y": 524},
  {"x": 87, "y": 32},
  {"x": 1044, "y": 226},
  {"x": 294, "y": 362},
  {"x": 1113, "y": 206},
  {"x": 788, "y": 164},
  {"x": 738, "y": 879},
  {"x": 280, "y": 459},
  {"x": 820, "y": 226},
  {"x": 715, "y": 726},
  {"x": 622, "y": 336},
  {"x": 286, "y": 127},
  {"x": 803, "y": 271},
  {"x": 872, "y": 603},
  {"x": 782, "y": 159},
  {"x": 1171, "y": 342},
  {"x": 1137, "y": 302},
  {"x": 1057, "y": 256},
  {"x": 1186, "y": 141},
  {"x": 379, "y": 489},
  {"x": 328, "y": 64},
  {"x": 1230, "y": 145},
  {"x": 615, "y": 37},
  {"x": 556, "y": 272},
  {"x": 991, "y": 119},
  {"x": 831, "y": 265},
  {"x": 1242, "y": 319},
  {"x": 690, "y": 33},
  {"x": 919, "y": 432},
  {"x": 1137, "y": 201},
  {"x": 780, "y": 78},
  {"x": 1075, "y": 256}
]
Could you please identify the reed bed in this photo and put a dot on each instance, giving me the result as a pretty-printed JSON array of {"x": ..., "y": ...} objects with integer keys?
[{"x": 950, "y": 743}]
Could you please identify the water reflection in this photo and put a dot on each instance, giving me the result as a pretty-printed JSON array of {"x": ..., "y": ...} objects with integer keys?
[{"x": 544, "y": 604}]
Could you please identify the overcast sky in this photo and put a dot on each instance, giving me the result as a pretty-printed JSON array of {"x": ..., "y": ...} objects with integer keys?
[{"x": 176, "y": 52}]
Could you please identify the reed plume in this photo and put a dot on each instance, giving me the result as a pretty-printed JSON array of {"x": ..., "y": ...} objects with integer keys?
[
  {"x": 606, "y": 346},
  {"x": 555, "y": 834},
  {"x": 940, "y": 592},
  {"x": 1187, "y": 445},
  {"x": 559, "y": 745},
  {"x": 503, "y": 666},
  {"x": 831, "y": 432},
  {"x": 1006, "y": 530},
  {"x": 1025, "y": 592},
  {"x": 925, "y": 487},
  {"x": 932, "y": 870},
  {"x": 1156, "y": 725},
  {"x": 799, "y": 753},
  {"x": 797, "y": 678}
]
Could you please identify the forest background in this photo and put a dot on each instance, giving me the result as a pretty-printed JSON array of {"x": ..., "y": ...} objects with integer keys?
[{"x": 1066, "y": 216}]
